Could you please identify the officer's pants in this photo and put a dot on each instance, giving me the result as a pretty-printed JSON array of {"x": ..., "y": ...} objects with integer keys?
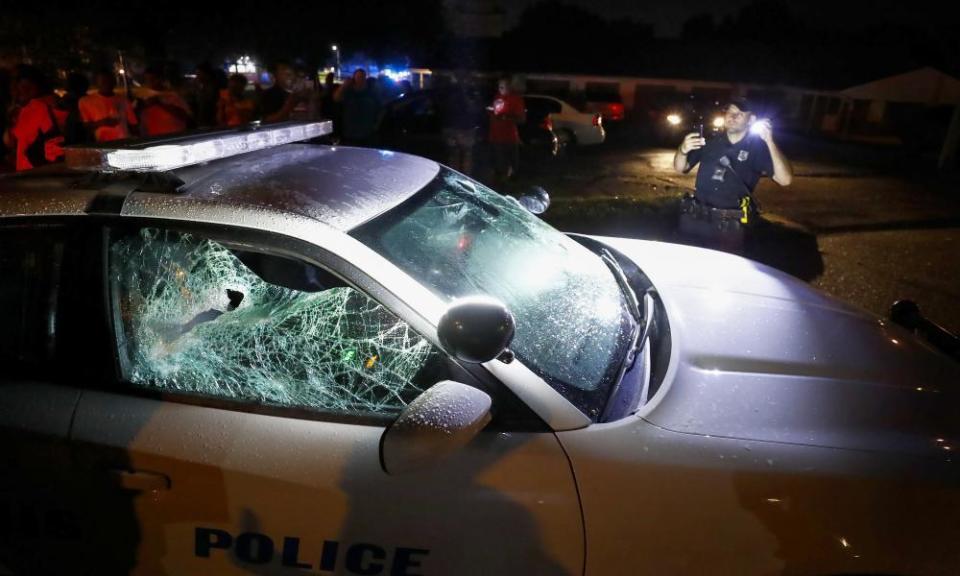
[{"x": 725, "y": 234}]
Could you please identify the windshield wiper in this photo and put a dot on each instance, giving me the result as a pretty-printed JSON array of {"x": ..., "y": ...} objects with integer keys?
[
  {"x": 632, "y": 306},
  {"x": 628, "y": 294},
  {"x": 642, "y": 321},
  {"x": 648, "y": 310}
]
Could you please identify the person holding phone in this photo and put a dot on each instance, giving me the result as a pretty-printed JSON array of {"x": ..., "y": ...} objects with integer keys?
[
  {"x": 505, "y": 113},
  {"x": 730, "y": 167}
]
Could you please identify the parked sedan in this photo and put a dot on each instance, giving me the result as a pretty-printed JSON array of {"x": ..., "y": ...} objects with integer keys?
[
  {"x": 572, "y": 126},
  {"x": 235, "y": 353}
]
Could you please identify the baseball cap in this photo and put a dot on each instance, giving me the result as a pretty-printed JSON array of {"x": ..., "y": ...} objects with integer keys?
[{"x": 743, "y": 103}]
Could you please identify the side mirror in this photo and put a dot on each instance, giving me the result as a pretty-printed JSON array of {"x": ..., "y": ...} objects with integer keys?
[
  {"x": 476, "y": 329},
  {"x": 536, "y": 200},
  {"x": 436, "y": 424}
]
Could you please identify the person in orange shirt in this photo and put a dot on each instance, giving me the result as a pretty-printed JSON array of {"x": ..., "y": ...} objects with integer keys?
[
  {"x": 235, "y": 108},
  {"x": 164, "y": 111},
  {"x": 36, "y": 134},
  {"x": 106, "y": 115}
]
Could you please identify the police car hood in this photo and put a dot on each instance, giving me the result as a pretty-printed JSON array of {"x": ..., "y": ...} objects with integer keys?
[{"x": 762, "y": 356}]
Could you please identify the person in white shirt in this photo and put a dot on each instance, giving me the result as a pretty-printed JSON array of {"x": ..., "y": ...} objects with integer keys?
[{"x": 106, "y": 115}]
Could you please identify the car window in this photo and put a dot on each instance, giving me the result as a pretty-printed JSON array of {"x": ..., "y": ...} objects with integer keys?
[
  {"x": 603, "y": 92},
  {"x": 194, "y": 316},
  {"x": 543, "y": 106},
  {"x": 30, "y": 269},
  {"x": 577, "y": 104}
]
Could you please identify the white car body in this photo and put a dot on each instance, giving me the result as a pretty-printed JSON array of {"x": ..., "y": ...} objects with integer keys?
[
  {"x": 586, "y": 128},
  {"x": 791, "y": 434}
]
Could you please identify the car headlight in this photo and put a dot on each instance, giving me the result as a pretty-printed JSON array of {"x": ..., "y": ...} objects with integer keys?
[{"x": 674, "y": 119}]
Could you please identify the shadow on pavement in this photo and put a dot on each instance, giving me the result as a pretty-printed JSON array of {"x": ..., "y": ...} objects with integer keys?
[{"x": 788, "y": 248}]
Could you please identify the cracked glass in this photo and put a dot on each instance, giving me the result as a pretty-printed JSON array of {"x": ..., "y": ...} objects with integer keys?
[
  {"x": 196, "y": 317},
  {"x": 459, "y": 238}
]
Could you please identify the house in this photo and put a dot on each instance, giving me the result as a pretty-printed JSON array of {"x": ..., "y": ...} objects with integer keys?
[{"x": 914, "y": 107}]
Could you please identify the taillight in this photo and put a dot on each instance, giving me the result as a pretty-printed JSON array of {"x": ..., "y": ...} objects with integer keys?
[
  {"x": 597, "y": 119},
  {"x": 616, "y": 111},
  {"x": 547, "y": 123}
]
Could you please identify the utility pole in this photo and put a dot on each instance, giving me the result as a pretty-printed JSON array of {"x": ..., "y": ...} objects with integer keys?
[
  {"x": 128, "y": 96},
  {"x": 336, "y": 50}
]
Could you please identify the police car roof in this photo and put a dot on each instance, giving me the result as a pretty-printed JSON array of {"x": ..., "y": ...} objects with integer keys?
[{"x": 340, "y": 186}]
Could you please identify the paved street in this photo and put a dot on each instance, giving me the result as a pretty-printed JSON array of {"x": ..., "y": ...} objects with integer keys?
[{"x": 853, "y": 223}]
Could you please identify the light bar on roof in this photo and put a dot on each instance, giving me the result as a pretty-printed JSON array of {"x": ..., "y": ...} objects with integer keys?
[{"x": 182, "y": 151}]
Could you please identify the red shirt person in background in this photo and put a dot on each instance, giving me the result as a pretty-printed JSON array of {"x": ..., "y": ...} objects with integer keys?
[
  {"x": 106, "y": 115},
  {"x": 164, "y": 111},
  {"x": 507, "y": 111},
  {"x": 37, "y": 132}
]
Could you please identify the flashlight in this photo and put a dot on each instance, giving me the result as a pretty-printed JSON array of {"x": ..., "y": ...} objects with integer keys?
[
  {"x": 718, "y": 122},
  {"x": 674, "y": 119},
  {"x": 756, "y": 127}
]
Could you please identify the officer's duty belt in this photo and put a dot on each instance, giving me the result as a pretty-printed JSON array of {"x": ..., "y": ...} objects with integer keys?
[{"x": 690, "y": 205}]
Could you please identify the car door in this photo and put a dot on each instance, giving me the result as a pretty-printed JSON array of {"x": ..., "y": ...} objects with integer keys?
[
  {"x": 39, "y": 360},
  {"x": 247, "y": 429}
]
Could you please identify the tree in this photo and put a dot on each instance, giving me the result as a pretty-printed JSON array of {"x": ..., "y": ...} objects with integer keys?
[
  {"x": 698, "y": 28},
  {"x": 561, "y": 37}
]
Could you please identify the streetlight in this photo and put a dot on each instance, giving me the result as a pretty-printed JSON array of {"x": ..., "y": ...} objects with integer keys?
[{"x": 336, "y": 50}]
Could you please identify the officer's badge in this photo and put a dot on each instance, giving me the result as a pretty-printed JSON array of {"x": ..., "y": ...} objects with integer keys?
[{"x": 743, "y": 155}]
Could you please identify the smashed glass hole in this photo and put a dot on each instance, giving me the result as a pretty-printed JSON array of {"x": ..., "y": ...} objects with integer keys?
[{"x": 194, "y": 317}]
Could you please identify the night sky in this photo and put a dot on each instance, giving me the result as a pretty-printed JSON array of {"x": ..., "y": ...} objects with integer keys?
[
  {"x": 824, "y": 43},
  {"x": 668, "y": 16}
]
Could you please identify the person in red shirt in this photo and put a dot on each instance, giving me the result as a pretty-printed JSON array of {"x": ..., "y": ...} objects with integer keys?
[
  {"x": 505, "y": 113},
  {"x": 37, "y": 132},
  {"x": 106, "y": 115},
  {"x": 164, "y": 111}
]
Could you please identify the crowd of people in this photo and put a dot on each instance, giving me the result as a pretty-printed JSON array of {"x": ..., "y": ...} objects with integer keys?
[{"x": 40, "y": 117}]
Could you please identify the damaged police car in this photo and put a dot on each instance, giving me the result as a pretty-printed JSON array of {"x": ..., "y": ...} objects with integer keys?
[{"x": 238, "y": 353}]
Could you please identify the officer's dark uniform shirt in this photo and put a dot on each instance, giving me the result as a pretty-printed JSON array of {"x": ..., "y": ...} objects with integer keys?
[{"x": 729, "y": 171}]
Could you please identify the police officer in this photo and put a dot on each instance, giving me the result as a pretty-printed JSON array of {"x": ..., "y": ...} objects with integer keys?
[{"x": 730, "y": 167}]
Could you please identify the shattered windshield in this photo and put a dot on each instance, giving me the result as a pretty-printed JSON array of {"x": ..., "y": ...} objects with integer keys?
[
  {"x": 195, "y": 317},
  {"x": 459, "y": 238}
]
